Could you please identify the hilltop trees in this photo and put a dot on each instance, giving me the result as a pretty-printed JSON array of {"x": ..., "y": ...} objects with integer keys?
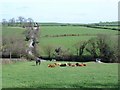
[
  {"x": 4, "y": 22},
  {"x": 11, "y": 22},
  {"x": 20, "y": 21}
]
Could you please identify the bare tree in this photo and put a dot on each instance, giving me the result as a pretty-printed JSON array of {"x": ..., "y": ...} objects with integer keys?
[
  {"x": 14, "y": 46},
  {"x": 4, "y": 21},
  {"x": 48, "y": 50},
  {"x": 22, "y": 20},
  {"x": 30, "y": 20},
  {"x": 12, "y": 22}
]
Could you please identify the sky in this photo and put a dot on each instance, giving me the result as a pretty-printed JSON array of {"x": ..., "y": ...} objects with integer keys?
[{"x": 61, "y": 11}]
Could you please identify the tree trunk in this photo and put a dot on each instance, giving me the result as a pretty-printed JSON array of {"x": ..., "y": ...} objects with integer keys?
[{"x": 10, "y": 55}]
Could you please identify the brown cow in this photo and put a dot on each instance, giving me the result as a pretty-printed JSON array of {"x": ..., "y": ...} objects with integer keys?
[{"x": 51, "y": 65}]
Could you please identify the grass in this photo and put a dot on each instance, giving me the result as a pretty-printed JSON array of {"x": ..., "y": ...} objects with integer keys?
[
  {"x": 10, "y": 31},
  {"x": 53, "y": 30},
  {"x": 69, "y": 41},
  {"x": 66, "y": 42},
  {"x": 27, "y": 75}
]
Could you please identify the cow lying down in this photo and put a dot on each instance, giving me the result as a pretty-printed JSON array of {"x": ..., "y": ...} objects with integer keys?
[{"x": 66, "y": 64}]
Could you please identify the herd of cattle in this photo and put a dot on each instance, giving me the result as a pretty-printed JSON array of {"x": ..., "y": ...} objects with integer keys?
[{"x": 66, "y": 64}]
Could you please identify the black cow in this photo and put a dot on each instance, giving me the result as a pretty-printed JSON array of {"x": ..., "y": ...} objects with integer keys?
[{"x": 38, "y": 61}]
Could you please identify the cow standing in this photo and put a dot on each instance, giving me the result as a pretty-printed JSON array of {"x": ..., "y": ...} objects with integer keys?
[{"x": 38, "y": 61}]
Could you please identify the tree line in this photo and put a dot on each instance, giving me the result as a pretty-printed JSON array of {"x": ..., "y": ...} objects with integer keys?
[
  {"x": 20, "y": 21},
  {"x": 103, "y": 46}
]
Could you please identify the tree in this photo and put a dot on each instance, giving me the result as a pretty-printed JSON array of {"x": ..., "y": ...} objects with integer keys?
[
  {"x": 30, "y": 20},
  {"x": 13, "y": 46},
  {"x": 80, "y": 48},
  {"x": 4, "y": 21},
  {"x": 108, "y": 47},
  {"x": 62, "y": 53},
  {"x": 92, "y": 47},
  {"x": 22, "y": 20},
  {"x": 12, "y": 22},
  {"x": 49, "y": 51},
  {"x": 104, "y": 47}
]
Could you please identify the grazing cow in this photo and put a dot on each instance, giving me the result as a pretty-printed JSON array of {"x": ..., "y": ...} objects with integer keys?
[
  {"x": 77, "y": 64},
  {"x": 73, "y": 65},
  {"x": 84, "y": 64},
  {"x": 38, "y": 61},
  {"x": 80, "y": 64},
  {"x": 57, "y": 64},
  {"x": 51, "y": 65},
  {"x": 69, "y": 64},
  {"x": 63, "y": 65}
]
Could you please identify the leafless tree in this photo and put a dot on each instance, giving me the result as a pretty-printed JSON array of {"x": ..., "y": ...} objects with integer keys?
[
  {"x": 4, "y": 21},
  {"x": 22, "y": 20},
  {"x": 30, "y": 20},
  {"x": 14, "y": 46},
  {"x": 12, "y": 22},
  {"x": 48, "y": 50}
]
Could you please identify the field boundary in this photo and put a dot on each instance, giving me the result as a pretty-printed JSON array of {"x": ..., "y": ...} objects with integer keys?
[{"x": 66, "y": 35}]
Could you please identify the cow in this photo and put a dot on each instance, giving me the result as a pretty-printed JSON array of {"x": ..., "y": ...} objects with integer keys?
[
  {"x": 51, "y": 65},
  {"x": 38, "y": 61}
]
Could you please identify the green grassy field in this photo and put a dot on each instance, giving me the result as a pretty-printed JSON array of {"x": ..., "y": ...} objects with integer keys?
[
  {"x": 66, "y": 42},
  {"x": 27, "y": 75},
  {"x": 53, "y": 30},
  {"x": 12, "y": 31}
]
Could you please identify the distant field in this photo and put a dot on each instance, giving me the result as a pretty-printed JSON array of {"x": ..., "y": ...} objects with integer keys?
[
  {"x": 27, "y": 75},
  {"x": 53, "y": 30},
  {"x": 12, "y": 31},
  {"x": 66, "y": 42},
  {"x": 110, "y": 26}
]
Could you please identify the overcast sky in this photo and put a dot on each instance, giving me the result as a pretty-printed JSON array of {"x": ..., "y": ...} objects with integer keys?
[{"x": 67, "y": 11}]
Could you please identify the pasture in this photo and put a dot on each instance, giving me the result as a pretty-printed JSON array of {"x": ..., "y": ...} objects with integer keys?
[
  {"x": 85, "y": 34},
  {"x": 27, "y": 75}
]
